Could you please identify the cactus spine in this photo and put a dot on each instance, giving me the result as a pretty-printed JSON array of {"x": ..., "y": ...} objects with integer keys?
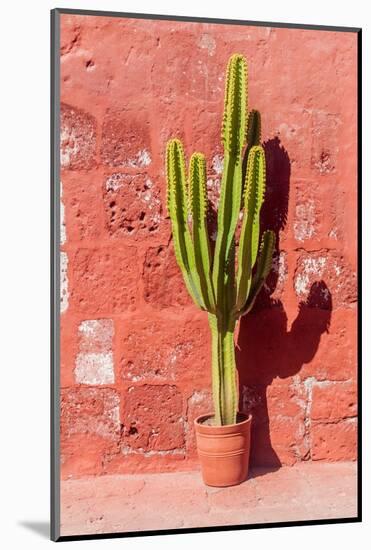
[{"x": 212, "y": 280}]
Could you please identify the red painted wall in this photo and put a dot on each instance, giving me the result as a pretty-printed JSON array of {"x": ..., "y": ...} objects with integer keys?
[{"x": 135, "y": 357}]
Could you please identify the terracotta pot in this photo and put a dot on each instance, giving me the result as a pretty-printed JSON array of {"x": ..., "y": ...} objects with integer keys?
[{"x": 224, "y": 451}]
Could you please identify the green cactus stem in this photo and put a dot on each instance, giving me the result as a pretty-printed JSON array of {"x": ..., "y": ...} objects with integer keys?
[{"x": 212, "y": 280}]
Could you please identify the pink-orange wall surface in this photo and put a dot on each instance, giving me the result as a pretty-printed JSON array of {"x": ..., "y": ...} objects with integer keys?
[{"x": 135, "y": 351}]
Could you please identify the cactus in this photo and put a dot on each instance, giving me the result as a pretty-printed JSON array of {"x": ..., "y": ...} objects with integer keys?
[{"x": 219, "y": 287}]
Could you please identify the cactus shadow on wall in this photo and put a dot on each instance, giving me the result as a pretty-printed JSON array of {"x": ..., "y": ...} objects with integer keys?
[{"x": 266, "y": 349}]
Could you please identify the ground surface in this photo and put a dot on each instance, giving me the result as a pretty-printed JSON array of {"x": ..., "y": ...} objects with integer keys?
[{"x": 179, "y": 500}]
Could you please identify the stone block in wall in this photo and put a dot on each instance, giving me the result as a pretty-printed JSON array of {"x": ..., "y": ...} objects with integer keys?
[
  {"x": 163, "y": 281},
  {"x": 83, "y": 206},
  {"x": 331, "y": 267},
  {"x": 333, "y": 441},
  {"x": 126, "y": 139},
  {"x": 104, "y": 279},
  {"x": 279, "y": 427},
  {"x": 152, "y": 417},
  {"x": 330, "y": 338},
  {"x": 94, "y": 363},
  {"x": 90, "y": 420},
  {"x": 133, "y": 206},
  {"x": 334, "y": 401},
  {"x": 156, "y": 349},
  {"x": 78, "y": 139}
]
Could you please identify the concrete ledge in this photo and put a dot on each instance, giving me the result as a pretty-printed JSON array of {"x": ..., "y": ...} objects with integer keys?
[{"x": 122, "y": 503}]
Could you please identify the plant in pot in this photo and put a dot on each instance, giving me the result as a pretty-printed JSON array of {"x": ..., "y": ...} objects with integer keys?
[{"x": 223, "y": 282}]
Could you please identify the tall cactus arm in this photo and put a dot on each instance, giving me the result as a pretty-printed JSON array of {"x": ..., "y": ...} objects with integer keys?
[
  {"x": 177, "y": 207},
  {"x": 253, "y": 129},
  {"x": 235, "y": 115},
  {"x": 253, "y": 137},
  {"x": 249, "y": 239},
  {"x": 263, "y": 267},
  {"x": 233, "y": 136},
  {"x": 198, "y": 209}
]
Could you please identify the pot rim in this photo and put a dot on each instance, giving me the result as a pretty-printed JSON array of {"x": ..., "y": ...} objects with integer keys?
[{"x": 247, "y": 419}]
